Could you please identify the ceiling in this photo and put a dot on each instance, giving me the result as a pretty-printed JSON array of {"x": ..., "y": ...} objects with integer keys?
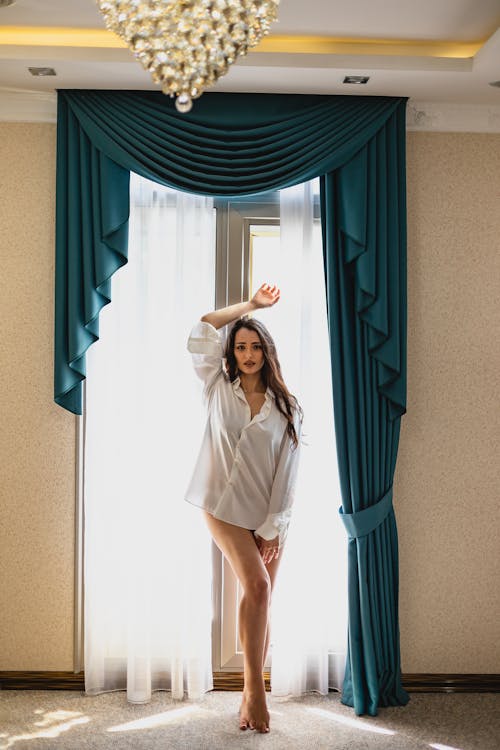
[{"x": 431, "y": 50}]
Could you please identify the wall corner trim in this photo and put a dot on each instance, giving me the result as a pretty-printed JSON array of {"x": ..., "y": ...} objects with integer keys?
[
  {"x": 19, "y": 105},
  {"x": 452, "y": 117}
]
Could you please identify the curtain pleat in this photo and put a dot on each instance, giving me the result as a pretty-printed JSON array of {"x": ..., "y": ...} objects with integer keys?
[
  {"x": 235, "y": 159},
  {"x": 91, "y": 244},
  {"x": 244, "y": 144}
]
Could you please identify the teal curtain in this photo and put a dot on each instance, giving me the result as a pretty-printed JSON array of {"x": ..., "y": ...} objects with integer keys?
[
  {"x": 245, "y": 144},
  {"x": 363, "y": 206}
]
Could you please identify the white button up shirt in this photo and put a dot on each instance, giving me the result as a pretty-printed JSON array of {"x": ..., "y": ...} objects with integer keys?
[{"x": 246, "y": 469}]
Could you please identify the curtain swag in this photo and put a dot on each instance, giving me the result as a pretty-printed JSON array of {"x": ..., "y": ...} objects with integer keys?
[
  {"x": 231, "y": 144},
  {"x": 245, "y": 144}
]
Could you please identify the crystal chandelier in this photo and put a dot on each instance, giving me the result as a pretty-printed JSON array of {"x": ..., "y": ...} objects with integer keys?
[{"x": 187, "y": 45}]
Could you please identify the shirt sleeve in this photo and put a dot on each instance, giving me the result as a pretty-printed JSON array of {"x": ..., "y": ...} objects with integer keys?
[
  {"x": 205, "y": 345},
  {"x": 283, "y": 491}
]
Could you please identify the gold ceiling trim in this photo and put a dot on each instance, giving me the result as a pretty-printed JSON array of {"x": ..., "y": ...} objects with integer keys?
[
  {"x": 37, "y": 36},
  {"x": 327, "y": 45},
  {"x": 48, "y": 36}
]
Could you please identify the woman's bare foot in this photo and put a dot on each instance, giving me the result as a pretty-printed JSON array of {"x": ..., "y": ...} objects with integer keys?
[
  {"x": 243, "y": 712},
  {"x": 253, "y": 711}
]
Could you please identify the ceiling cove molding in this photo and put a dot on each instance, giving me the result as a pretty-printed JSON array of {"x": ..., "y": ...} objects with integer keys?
[
  {"x": 20, "y": 105},
  {"x": 36, "y": 36}
]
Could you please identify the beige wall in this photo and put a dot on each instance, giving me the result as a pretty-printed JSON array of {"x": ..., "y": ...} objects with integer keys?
[
  {"x": 37, "y": 443},
  {"x": 447, "y": 477},
  {"x": 447, "y": 482}
]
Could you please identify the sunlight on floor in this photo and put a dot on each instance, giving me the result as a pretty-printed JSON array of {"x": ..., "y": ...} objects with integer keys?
[
  {"x": 158, "y": 720},
  {"x": 438, "y": 746},
  {"x": 67, "y": 719},
  {"x": 355, "y": 723}
]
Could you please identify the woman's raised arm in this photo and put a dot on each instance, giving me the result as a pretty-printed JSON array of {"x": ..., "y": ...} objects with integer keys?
[{"x": 266, "y": 296}]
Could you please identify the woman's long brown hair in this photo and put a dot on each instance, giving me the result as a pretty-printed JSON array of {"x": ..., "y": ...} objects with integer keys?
[{"x": 270, "y": 372}]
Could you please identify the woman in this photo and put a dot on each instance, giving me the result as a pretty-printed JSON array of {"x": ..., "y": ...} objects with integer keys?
[{"x": 245, "y": 473}]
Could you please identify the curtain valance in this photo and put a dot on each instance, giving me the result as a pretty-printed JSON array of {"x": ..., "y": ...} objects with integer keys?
[{"x": 229, "y": 145}]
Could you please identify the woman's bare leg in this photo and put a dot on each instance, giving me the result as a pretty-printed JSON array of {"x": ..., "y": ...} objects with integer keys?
[
  {"x": 240, "y": 549},
  {"x": 272, "y": 569}
]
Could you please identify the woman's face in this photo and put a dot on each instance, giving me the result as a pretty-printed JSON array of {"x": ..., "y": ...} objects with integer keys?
[{"x": 248, "y": 351}]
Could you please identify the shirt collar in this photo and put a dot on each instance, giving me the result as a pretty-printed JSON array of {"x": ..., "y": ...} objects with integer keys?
[{"x": 237, "y": 382}]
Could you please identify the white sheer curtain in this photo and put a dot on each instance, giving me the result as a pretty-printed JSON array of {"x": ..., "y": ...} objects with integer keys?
[
  {"x": 147, "y": 559},
  {"x": 309, "y": 611}
]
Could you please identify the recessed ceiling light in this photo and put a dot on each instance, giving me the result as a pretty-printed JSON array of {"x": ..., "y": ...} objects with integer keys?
[
  {"x": 495, "y": 83},
  {"x": 356, "y": 79},
  {"x": 42, "y": 71},
  {"x": 5, "y": 3}
]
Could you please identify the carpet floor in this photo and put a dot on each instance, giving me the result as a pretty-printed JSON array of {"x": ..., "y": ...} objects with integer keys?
[{"x": 71, "y": 720}]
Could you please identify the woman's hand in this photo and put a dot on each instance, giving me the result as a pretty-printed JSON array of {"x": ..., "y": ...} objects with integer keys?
[
  {"x": 268, "y": 548},
  {"x": 266, "y": 296}
]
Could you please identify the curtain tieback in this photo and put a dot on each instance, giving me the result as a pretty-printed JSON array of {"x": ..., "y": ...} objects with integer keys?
[{"x": 364, "y": 521}]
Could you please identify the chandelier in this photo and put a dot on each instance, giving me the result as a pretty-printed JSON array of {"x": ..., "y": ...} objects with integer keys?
[{"x": 187, "y": 45}]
